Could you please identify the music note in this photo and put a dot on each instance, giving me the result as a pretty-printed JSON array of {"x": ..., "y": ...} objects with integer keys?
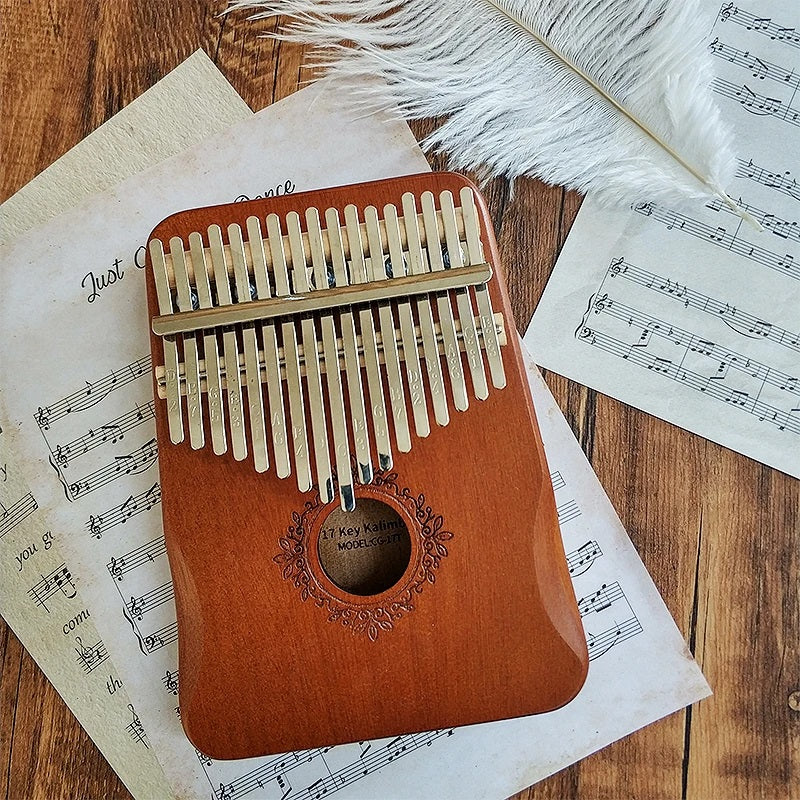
[
  {"x": 135, "y": 462},
  {"x": 92, "y": 393},
  {"x": 635, "y": 347},
  {"x": 581, "y": 559},
  {"x": 758, "y": 24},
  {"x": 285, "y": 787}
]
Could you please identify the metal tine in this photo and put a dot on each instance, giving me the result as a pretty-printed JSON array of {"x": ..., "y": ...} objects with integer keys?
[
  {"x": 416, "y": 262},
  {"x": 230, "y": 346},
  {"x": 216, "y": 411},
  {"x": 171, "y": 376},
  {"x": 466, "y": 316},
  {"x": 272, "y": 364},
  {"x": 447, "y": 324},
  {"x": 352, "y": 363},
  {"x": 252, "y": 362},
  {"x": 333, "y": 378},
  {"x": 194, "y": 408},
  {"x": 408, "y": 339},
  {"x": 391, "y": 358},
  {"x": 297, "y": 412},
  {"x": 319, "y": 429},
  {"x": 358, "y": 274},
  {"x": 491, "y": 342}
]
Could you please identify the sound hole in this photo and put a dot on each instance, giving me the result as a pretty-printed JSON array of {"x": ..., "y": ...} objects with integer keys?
[{"x": 366, "y": 551}]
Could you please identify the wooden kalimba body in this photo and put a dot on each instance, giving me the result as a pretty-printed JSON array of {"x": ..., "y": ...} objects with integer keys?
[{"x": 357, "y": 508}]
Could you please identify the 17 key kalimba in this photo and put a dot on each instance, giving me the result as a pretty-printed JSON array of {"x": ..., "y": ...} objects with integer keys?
[{"x": 338, "y": 336}]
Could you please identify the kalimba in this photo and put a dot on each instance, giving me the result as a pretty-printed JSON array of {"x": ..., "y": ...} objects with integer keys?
[{"x": 357, "y": 509}]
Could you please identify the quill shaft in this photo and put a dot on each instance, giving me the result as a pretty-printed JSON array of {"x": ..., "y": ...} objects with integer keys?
[{"x": 647, "y": 131}]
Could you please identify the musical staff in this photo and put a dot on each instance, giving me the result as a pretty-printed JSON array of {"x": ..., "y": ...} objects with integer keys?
[
  {"x": 139, "y": 606},
  {"x": 601, "y": 643},
  {"x": 758, "y": 67},
  {"x": 161, "y": 638},
  {"x": 133, "y": 463},
  {"x": 579, "y": 561},
  {"x": 90, "y": 657},
  {"x": 57, "y": 581},
  {"x": 601, "y": 599},
  {"x": 373, "y": 758},
  {"x": 150, "y": 642},
  {"x": 14, "y": 514},
  {"x": 782, "y": 419},
  {"x": 141, "y": 556},
  {"x": 756, "y": 103},
  {"x": 567, "y": 512},
  {"x": 608, "y": 600},
  {"x": 782, "y": 182},
  {"x": 782, "y": 228},
  {"x": 92, "y": 394},
  {"x": 736, "y": 319},
  {"x": 651, "y": 326},
  {"x": 763, "y": 25},
  {"x": 136, "y": 729},
  {"x": 721, "y": 237},
  {"x": 111, "y": 433},
  {"x": 119, "y": 515},
  {"x": 557, "y": 481}
]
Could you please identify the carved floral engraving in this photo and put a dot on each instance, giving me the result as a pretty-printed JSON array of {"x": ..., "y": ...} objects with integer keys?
[{"x": 364, "y": 617}]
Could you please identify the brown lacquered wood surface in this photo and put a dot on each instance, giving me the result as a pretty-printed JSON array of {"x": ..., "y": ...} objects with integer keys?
[
  {"x": 458, "y": 609},
  {"x": 718, "y": 532}
]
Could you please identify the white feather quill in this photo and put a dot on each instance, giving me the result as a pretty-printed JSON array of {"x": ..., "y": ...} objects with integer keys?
[{"x": 604, "y": 96}]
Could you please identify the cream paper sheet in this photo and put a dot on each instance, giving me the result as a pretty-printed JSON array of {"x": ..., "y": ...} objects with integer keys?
[
  {"x": 184, "y": 107},
  {"x": 39, "y": 599},
  {"x": 691, "y": 314},
  {"x": 83, "y": 416}
]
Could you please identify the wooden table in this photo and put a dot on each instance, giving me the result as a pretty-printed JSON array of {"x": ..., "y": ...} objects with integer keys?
[{"x": 717, "y": 531}]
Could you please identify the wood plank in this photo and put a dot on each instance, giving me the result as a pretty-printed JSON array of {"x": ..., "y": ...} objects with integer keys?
[{"x": 745, "y": 742}]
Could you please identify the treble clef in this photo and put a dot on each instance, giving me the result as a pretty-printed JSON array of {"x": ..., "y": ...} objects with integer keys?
[
  {"x": 616, "y": 267},
  {"x": 171, "y": 682},
  {"x": 726, "y": 11},
  {"x": 224, "y": 792},
  {"x": 42, "y": 417},
  {"x": 137, "y": 607},
  {"x": 94, "y": 526},
  {"x": 115, "y": 568},
  {"x": 62, "y": 456},
  {"x": 601, "y": 302}
]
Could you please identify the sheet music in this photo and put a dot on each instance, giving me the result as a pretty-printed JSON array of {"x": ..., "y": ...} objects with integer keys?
[
  {"x": 39, "y": 598},
  {"x": 690, "y": 313},
  {"x": 81, "y": 415}
]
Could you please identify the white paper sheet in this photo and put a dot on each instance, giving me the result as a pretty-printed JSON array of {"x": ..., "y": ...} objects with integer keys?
[
  {"x": 38, "y": 597},
  {"x": 691, "y": 314},
  {"x": 83, "y": 416}
]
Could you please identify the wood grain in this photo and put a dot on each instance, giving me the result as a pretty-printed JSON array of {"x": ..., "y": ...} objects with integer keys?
[{"x": 718, "y": 532}]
